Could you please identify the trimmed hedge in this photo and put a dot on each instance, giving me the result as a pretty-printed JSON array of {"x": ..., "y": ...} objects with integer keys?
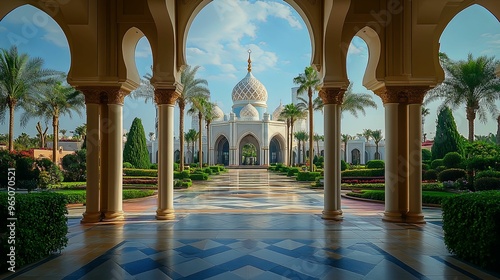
[
  {"x": 140, "y": 172},
  {"x": 430, "y": 174},
  {"x": 487, "y": 183},
  {"x": 364, "y": 172},
  {"x": 183, "y": 183},
  {"x": 471, "y": 224},
  {"x": 293, "y": 171},
  {"x": 452, "y": 160},
  {"x": 79, "y": 196},
  {"x": 487, "y": 173},
  {"x": 127, "y": 165},
  {"x": 198, "y": 176},
  {"x": 40, "y": 228},
  {"x": 429, "y": 197},
  {"x": 437, "y": 162},
  {"x": 381, "y": 186},
  {"x": 306, "y": 176},
  {"x": 452, "y": 174},
  {"x": 373, "y": 164},
  {"x": 343, "y": 165}
]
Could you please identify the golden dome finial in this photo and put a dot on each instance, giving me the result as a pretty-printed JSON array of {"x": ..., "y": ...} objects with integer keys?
[{"x": 249, "y": 61}]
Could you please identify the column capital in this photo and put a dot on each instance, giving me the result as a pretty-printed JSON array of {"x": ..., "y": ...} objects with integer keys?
[
  {"x": 332, "y": 95},
  {"x": 166, "y": 96},
  {"x": 103, "y": 94},
  {"x": 403, "y": 94}
]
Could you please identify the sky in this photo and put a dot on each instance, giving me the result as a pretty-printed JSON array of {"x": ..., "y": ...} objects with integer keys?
[{"x": 218, "y": 41}]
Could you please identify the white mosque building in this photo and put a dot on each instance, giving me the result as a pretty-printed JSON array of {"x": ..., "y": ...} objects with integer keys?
[{"x": 250, "y": 125}]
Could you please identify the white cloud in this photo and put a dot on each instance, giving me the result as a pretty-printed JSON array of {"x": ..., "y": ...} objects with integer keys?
[
  {"x": 143, "y": 49},
  {"x": 228, "y": 27}
]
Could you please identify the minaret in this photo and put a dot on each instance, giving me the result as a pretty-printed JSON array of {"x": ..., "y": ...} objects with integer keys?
[{"x": 249, "y": 61}]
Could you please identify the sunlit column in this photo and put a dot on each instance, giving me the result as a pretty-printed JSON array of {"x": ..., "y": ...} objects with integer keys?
[
  {"x": 415, "y": 214},
  {"x": 165, "y": 99},
  {"x": 103, "y": 152},
  {"x": 114, "y": 212},
  {"x": 332, "y": 99},
  {"x": 92, "y": 212}
]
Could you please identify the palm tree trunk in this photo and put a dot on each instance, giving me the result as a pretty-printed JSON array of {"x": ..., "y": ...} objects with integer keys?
[
  {"x": 11, "y": 126},
  {"x": 304, "y": 151},
  {"x": 181, "y": 137},
  {"x": 288, "y": 138},
  {"x": 291, "y": 144},
  {"x": 498, "y": 130},
  {"x": 317, "y": 146},
  {"x": 471, "y": 116},
  {"x": 311, "y": 129},
  {"x": 200, "y": 147},
  {"x": 55, "y": 140},
  {"x": 345, "y": 151},
  {"x": 299, "y": 152},
  {"x": 208, "y": 143}
]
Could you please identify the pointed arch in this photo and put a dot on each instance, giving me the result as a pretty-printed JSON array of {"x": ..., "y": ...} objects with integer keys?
[{"x": 129, "y": 44}]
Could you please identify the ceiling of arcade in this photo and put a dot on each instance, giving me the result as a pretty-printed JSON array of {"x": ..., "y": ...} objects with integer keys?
[{"x": 402, "y": 37}]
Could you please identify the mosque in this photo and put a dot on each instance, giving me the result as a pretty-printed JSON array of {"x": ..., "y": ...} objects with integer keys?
[{"x": 249, "y": 135}]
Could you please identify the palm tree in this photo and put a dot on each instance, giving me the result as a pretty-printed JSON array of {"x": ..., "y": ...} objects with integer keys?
[
  {"x": 209, "y": 117},
  {"x": 198, "y": 108},
  {"x": 191, "y": 137},
  {"x": 498, "y": 130},
  {"x": 302, "y": 137},
  {"x": 367, "y": 133},
  {"x": 292, "y": 113},
  {"x": 308, "y": 82},
  {"x": 81, "y": 131},
  {"x": 377, "y": 137},
  {"x": 151, "y": 136},
  {"x": 52, "y": 102},
  {"x": 318, "y": 138},
  {"x": 63, "y": 132},
  {"x": 42, "y": 134},
  {"x": 19, "y": 75},
  {"x": 345, "y": 138},
  {"x": 472, "y": 83}
]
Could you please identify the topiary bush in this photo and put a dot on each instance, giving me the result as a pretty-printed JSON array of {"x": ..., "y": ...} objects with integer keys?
[
  {"x": 483, "y": 163},
  {"x": 372, "y": 164},
  {"x": 440, "y": 168},
  {"x": 487, "y": 183},
  {"x": 452, "y": 160},
  {"x": 343, "y": 165},
  {"x": 183, "y": 183},
  {"x": 293, "y": 171},
  {"x": 75, "y": 166},
  {"x": 437, "y": 162},
  {"x": 426, "y": 155},
  {"x": 430, "y": 175},
  {"x": 155, "y": 166},
  {"x": 199, "y": 176},
  {"x": 307, "y": 176},
  {"x": 135, "y": 150},
  {"x": 127, "y": 165},
  {"x": 475, "y": 215},
  {"x": 487, "y": 173},
  {"x": 40, "y": 228},
  {"x": 140, "y": 172},
  {"x": 452, "y": 174}
]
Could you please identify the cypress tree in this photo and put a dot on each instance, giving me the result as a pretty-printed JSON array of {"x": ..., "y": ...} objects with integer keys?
[
  {"x": 447, "y": 137},
  {"x": 136, "y": 150}
]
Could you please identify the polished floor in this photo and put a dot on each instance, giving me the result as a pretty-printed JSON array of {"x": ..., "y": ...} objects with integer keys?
[{"x": 251, "y": 224}]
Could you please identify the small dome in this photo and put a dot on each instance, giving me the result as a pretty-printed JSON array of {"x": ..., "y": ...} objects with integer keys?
[
  {"x": 249, "y": 113},
  {"x": 217, "y": 113},
  {"x": 277, "y": 112}
]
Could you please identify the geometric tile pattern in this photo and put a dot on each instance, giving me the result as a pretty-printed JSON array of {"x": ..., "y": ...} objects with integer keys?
[{"x": 249, "y": 88}]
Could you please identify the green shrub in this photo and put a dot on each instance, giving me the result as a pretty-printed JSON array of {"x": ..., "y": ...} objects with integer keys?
[
  {"x": 177, "y": 166},
  {"x": 483, "y": 163},
  {"x": 452, "y": 174},
  {"x": 40, "y": 228},
  {"x": 439, "y": 169},
  {"x": 129, "y": 194},
  {"x": 208, "y": 170},
  {"x": 293, "y": 171},
  {"x": 75, "y": 166},
  {"x": 487, "y": 183},
  {"x": 155, "y": 166},
  {"x": 135, "y": 150},
  {"x": 471, "y": 224},
  {"x": 426, "y": 155},
  {"x": 183, "y": 184},
  {"x": 437, "y": 162},
  {"x": 430, "y": 174},
  {"x": 452, "y": 160},
  {"x": 79, "y": 196},
  {"x": 140, "y": 172},
  {"x": 271, "y": 168},
  {"x": 343, "y": 165},
  {"x": 428, "y": 197},
  {"x": 363, "y": 173},
  {"x": 193, "y": 165},
  {"x": 216, "y": 168},
  {"x": 128, "y": 165},
  {"x": 425, "y": 167},
  {"x": 199, "y": 176},
  {"x": 372, "y": 164},
  {"x": 306, "y": 176},
  {"x": 487, "y": 173},
  {"x": 48, "y": 173}
]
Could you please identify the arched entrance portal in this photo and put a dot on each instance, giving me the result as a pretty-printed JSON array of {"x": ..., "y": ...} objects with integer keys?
[
  {"x": 355, "y": 157},
  {"x": 276, "y": 150},
  {"x": 245, "y": 147},
  {"x": 222, "y": 151}
]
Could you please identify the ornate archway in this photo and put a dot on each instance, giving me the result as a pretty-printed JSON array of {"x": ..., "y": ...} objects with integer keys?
[
  {"x": 249, "y": 139},
  {"x": 221, "y": 151}
]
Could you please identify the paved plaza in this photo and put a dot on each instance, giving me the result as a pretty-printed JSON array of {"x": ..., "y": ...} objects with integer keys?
[{"x": 252, "y": 224}]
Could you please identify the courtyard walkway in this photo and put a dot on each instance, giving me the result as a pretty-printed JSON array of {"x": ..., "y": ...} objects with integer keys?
[{"x": 251, "y": 224}]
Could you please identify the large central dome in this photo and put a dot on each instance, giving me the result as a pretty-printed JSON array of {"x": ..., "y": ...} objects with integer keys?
[{"x": 249, "y": 89}]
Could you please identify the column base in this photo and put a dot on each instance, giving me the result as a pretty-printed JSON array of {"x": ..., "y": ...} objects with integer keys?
[
  {"x": 165, "y": 214},
  {"x": 393, "y": 217},
  {"x": 335, "y": 215},
  {"x": 91, "y": 217},
  {"x": 111, "y": 216},
  {"x": 415, "y": 218}
]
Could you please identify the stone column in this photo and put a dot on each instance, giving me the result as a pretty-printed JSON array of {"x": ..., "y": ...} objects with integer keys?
[
  {"x": 114, "y": 212},
  {"x": 92, "y": 212},
  {"x": 415, "y": 100},
  {"x": 332, "y": 99},
  {"x": 103, "y": 151},
  {"x": 165, "y": 99}
]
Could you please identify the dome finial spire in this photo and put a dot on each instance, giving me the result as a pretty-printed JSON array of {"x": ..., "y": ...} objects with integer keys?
[{"x": 249, "y": 61}]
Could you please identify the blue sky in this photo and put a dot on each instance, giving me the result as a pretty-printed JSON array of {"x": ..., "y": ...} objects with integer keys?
[{"x": 218, "y": 41}]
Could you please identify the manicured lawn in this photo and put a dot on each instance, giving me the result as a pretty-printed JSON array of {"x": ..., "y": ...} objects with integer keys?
[
  {"x": 78, "y": 196},
  {"x": 428, "y": 197}
]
